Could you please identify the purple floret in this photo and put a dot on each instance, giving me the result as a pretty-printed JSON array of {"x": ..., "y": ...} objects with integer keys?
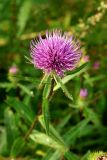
[
  {"x": 56, "y": 52},
  {"x": 13, "y": 70},
  {"x": 83, "y": 92}
]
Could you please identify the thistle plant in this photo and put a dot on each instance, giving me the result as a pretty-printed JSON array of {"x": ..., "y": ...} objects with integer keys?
[
  {"x": 55, "y": 54},
  {"x": 54, "y": 108}
]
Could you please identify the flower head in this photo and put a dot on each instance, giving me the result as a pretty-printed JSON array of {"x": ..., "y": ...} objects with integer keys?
[
  {"x": 83, "y": 92},
  {"x": 96, "y": 65},
  {"x": 56, "y": 52},
  {"x": 85, "y": 58},
  {"x": 13, "y": 70}
]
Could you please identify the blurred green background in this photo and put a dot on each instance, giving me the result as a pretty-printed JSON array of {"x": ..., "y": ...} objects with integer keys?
[{"x": 82, "y": 124}]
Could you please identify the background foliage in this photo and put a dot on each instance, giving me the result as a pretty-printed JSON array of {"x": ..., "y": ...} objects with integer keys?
[{"x": 77, "y": 127}]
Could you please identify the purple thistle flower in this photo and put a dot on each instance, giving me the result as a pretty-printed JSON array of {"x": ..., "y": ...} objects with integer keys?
[
  {"x": 56, "y": 52},
  {"x": 83, "y": 92}
]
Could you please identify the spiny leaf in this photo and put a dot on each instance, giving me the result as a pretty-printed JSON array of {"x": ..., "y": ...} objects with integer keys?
[
  {"x": 66, "y": 92},
  {"x": 73, "y": 74}
]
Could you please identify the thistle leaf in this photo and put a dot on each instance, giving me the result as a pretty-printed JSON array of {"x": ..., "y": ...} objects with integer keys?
[
  {"x": 17, "y": 147},
  {"x": 45, "y": 103},
  {"x": 44, "y": 139},
  {"x": 73, "y": 74},
  {"x": 24, "y": 111},
  {"x": 66, "y": 92},
  {"x": 53, "y": 132}
]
